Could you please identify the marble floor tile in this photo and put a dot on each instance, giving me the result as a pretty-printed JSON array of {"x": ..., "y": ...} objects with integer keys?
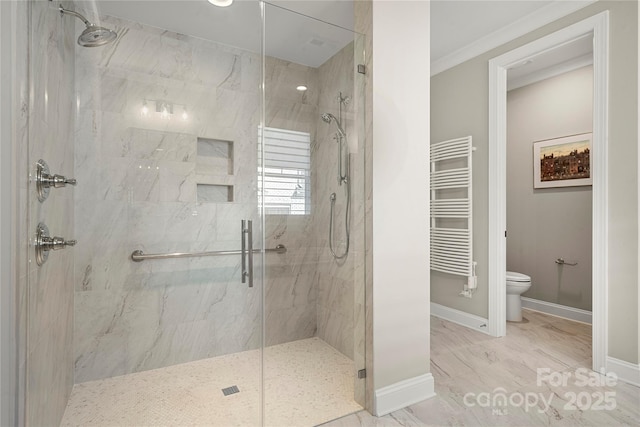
[
  {"x": 532, "y": 318},
  {"x": 565, "y": 399},
  {"x": 450, "y": 336},
  {"x": 469, "y": 366},
  {"x": 402, "y": 418}
]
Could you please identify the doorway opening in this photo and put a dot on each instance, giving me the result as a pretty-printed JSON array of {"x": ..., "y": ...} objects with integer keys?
[{"x": 597, "y": 28}]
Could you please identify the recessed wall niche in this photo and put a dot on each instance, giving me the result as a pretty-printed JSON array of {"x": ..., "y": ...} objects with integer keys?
[
  {"x": 213, "y": 193},
  {"x": 214, "y": 167},
  {"x": 214, "y": 156}
]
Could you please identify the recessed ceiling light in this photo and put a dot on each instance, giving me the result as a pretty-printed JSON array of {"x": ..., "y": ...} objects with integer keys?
[
  {"x": 301, "y": 88},
  {"x": 221, "y": 3}
]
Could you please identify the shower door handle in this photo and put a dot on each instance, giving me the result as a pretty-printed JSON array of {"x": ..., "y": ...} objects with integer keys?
[
  {"x": 243, "y": 269},
  {"x": 250, "y": 251},
  {"x": 247, "y": 251}
]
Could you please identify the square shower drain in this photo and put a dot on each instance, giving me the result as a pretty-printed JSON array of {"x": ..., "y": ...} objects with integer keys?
[{"x": 230, "y": 390}]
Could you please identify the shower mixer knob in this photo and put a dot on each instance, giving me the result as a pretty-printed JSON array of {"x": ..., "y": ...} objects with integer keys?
[
  {"x": 55, "y": 243},
  {"x": 45, "y": 243},
  {"x": 45, "y": 180},
  {"x": 57, "y": 181}
]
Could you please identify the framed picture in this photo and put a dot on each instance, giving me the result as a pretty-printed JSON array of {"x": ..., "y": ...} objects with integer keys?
[{"x": 562, "y": 162}]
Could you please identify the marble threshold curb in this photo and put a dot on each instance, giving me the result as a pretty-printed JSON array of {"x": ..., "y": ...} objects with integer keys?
[{"x": 404, "y": 393}]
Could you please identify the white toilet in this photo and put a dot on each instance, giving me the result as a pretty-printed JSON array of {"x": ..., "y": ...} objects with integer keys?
[{"x": 517, "y": 284}]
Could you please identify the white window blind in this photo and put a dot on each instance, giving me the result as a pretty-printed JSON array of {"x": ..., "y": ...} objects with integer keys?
[{"x": 287, "y": 166}]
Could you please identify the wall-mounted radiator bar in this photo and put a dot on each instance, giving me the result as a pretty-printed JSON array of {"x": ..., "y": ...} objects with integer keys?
[{"x": 451, "y": 247}]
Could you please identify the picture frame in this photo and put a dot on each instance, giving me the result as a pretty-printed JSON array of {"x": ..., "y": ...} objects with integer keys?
[{"x": 563, "y": 162}]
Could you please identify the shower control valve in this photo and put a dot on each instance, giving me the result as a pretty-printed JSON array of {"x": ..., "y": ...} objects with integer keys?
[
  {"x": 45, "y": 180},
  {"x": 44, "y": 243}
]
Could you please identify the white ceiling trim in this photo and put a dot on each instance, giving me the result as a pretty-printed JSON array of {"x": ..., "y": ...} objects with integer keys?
[
  {"x": 547, "y": 73},
  {"x": 533, "y": 21}
]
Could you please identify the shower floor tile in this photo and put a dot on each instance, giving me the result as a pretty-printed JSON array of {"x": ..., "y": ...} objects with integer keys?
[{"x": 307, "y": 382}]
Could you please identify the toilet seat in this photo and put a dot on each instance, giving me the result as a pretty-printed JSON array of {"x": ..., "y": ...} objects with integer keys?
[{"x": 512, "y": 276}]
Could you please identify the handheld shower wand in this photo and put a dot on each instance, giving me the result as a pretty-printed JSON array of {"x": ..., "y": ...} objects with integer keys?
[
  {"x": 342, "y": 179},
  {"x": 328, "y": 118}
]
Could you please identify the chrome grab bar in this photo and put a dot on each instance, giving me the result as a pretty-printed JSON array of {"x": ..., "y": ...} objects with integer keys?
[{"x": 139, "y": 256}]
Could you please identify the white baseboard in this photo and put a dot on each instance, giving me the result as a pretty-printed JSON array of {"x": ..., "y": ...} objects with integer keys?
[
  {"x": 471, "y": 321},
  {"x": 404, "y": 393},
  {"x": 571, "y": 313},
  {"x": 625, "y": 371}
]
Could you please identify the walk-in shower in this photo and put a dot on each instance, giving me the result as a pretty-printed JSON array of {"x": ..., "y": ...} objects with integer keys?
[
  {"x": 343, "y": 178},
  {"x": 216, "y": 323}
]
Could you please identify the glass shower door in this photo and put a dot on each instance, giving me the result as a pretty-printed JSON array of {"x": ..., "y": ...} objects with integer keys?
[{"x": 312, "y": 201}]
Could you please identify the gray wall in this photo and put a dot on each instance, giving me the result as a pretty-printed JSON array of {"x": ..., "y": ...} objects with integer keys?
[
  {"x": 459, "y": 107},
  {"x": 545, "y": 224}
]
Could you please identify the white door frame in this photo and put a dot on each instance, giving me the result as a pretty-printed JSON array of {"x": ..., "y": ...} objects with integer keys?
[{"x": 597, "y": 25}]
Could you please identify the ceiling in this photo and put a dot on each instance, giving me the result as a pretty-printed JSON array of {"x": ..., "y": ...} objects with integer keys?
[
  {"x": 462, "y": 29},
  {"x": 458, "y": 27},
  {"x": 291, "y": 36},
  {"x": 457, "y": 24},
  {"x": 562, "y": 59}
]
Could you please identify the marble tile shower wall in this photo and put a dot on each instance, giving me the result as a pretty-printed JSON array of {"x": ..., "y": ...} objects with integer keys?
[
  {"x": 291, "y": 279},
  {"x": 138, "y": 178},
  {"x": 21, "y": 233},
  {"x": 49, "y": 356},
  {"x": 336, "y": 290}
]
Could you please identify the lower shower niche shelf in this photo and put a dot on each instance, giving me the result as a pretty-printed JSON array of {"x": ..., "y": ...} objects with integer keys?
[{"x": 214, "y": 193}]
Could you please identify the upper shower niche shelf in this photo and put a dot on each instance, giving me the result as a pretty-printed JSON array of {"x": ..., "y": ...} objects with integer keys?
[{"x": 214, "y": 156}]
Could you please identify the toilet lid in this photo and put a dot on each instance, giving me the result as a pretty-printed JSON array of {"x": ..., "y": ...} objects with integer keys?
[{"x": 512, "y": 276}]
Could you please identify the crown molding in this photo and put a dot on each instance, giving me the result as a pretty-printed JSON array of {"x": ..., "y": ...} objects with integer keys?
[{"x": 520, "y": 27}]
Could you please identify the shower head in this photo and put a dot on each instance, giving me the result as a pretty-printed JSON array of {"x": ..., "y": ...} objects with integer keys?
[
  {"x": 93, "y": 35},
  {"x": 327, "y": 117}
]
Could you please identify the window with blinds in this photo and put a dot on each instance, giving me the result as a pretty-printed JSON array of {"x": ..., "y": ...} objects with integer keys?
[{"x": 287, "y": 167}]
